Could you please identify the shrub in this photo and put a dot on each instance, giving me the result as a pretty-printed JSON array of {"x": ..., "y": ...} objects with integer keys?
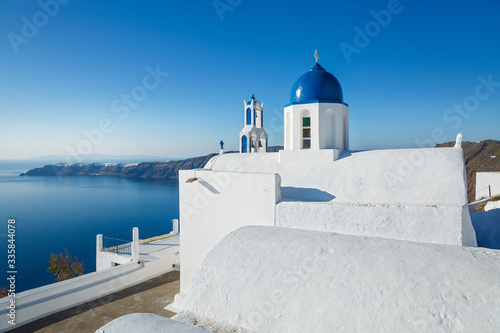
[
  {"x": 63, "y": 267},
  {"x": 4, "y": 292},
  {"x": 479, "y": 208}
]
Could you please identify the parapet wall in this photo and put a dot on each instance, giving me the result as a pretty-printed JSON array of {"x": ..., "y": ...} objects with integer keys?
[
  {"x": 428, "y": 224},
  {"x": 432, "y": 176},
  {"x": 269, "y": 279}
]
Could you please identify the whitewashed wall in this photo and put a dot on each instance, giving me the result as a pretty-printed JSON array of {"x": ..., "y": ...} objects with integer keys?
[
  {"x": 217, "y": 203},
  {"x": 433, "y": 176},
  {"x": 429, "y": 224},
  {"x": 329, "y": 125},
  {"x": 106, "y": 260},
  {"x": 483, "y": 179},
  {"x": 309, "y": 281},
  {"x": 492, "y": 205}
]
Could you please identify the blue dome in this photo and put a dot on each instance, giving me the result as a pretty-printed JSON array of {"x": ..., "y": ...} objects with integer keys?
[{"x": 317, "y": 85}]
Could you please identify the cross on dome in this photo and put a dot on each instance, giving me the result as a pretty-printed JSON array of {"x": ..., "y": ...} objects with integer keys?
[{"x": 316, "y": 55}]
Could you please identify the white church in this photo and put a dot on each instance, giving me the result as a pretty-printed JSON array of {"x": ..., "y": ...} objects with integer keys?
[{"x": 318, "y": 238}]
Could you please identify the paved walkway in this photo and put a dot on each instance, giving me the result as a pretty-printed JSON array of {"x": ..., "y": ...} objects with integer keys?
[
  {"x": 151, "y": 296},
  {"x": 159, "y": 249}
]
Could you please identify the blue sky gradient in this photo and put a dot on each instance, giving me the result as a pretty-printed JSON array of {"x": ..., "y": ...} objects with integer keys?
[{"x": 415, "y": 79}]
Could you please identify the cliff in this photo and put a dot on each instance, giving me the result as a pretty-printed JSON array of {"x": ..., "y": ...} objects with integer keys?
[{"x": 146, "y": 170}]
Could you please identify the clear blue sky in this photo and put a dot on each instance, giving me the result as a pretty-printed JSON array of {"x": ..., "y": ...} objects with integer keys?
[{"x": 70, "y": 74}]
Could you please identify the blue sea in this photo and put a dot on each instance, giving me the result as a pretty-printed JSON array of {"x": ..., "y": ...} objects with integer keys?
[{"x": 54, "y": 214}]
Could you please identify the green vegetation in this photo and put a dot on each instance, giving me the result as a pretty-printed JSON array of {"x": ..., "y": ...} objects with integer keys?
[
  {"x": 63, "y": 267},
  {"x": 496, "y": 198},
  {"x": 479, "y": 208}
]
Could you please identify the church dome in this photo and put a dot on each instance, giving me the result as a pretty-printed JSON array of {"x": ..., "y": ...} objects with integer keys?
[{"x": 317, "y": 85}]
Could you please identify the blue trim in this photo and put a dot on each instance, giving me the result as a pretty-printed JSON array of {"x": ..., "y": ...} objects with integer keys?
[
  {"x": 316, "y": 101},
  {"x": 249, "y": 116},
  {"x": 244, "y": 144}
]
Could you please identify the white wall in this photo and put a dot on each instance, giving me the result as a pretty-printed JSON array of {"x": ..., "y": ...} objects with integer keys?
[
  {"x": 106, "y": 260},
  {"x": 492, "y": 205},
  {"x": 483, "y": 179},
  {"x": 433, "y": 176},
  {"x": 329, "y": 125},
  {"x": 308, "y": 155},
  {"x": 269, "y": 279},
  {"x": 429, "y": 224},
  {"x": 216, "y": 204}
]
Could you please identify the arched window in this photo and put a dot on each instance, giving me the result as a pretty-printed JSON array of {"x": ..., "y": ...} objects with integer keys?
[
  {"x": 330, "y": 130},
  {"x": 249, "y": 116},
  {"x": 306, "y": 130},
  {"x": 253, "y": 142},
  {"x": 339, "y": 131},
  {"x": 288, "y": 131},
  {"x": 244, "y": 143},
  {"x": 262, "y": 143}
]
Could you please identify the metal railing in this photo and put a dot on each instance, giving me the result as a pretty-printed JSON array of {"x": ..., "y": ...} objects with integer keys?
[
  {"x": 116, "y": 245},
  {"x": 145, "y": 232},
  {"x": 153, "y": 230},
  {"x": 121, "y": 241},
  {"x": 484, "y": 188},
  {"x": 125, "y": 234}
]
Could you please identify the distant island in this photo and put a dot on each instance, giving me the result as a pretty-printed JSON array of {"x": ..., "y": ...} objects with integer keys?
[
  {"x": 168, "y": 170},
  {"x": 479, "y": 157}
]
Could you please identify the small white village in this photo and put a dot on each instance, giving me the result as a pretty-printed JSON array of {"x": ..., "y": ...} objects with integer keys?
[{"x": 313, "y": 238}]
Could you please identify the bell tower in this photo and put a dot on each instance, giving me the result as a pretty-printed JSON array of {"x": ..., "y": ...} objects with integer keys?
[{"x": 253, "y": 137}]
